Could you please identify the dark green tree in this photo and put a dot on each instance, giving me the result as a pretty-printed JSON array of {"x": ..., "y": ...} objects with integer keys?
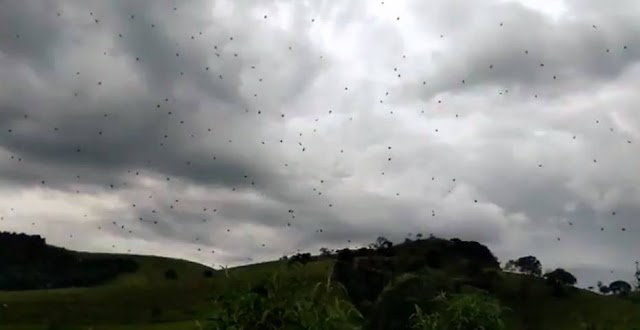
[
  {"x": 560, "y": 276},
  {"x": 620, "y": 287},
  {"x": 381, "y": 243},
  {"x": 528, "y": 265},
  {"x": 558, "y": 280},
  {"x": 171, "y": 274},
  {"x": 604, "y": 289},
  {"x": 325, "y": 251}
]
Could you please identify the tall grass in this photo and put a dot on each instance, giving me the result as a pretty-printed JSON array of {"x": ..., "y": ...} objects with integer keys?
[
  {"x": 461, "y": 312},
  {"x": 285, "y": 301}
]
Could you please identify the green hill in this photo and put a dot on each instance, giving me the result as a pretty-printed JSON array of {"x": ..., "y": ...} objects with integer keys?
[
  {"x": 384, "y": 283},
  {"x": 140, "y": 297}
]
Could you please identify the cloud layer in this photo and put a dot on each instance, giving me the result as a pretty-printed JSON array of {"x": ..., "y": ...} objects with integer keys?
[{"x": 226, "y": 133}]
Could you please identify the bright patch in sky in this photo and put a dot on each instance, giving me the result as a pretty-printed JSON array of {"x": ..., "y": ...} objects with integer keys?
[{"x": 553, "y": 8}]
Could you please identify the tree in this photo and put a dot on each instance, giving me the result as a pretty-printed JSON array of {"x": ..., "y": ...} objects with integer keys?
[
  {"x": 381, "y": 243},
  {"x": 208, "y": 273},
  {"x": 620, "y": 287},
  {"x": 171, "y": 274},
  {"x": 475, "y": 253},
  {"x": 529, "y": 265},
  {"x": 604, "y": 289},
  {"x": 558, "y": 280},
  {"x": 301, "y": 258},
  {"x": 345, "y": 255},
  {"x": 560, "y": 276},
  {"x": 408, "y": 238},
  {"x": 325, "y": 251}
]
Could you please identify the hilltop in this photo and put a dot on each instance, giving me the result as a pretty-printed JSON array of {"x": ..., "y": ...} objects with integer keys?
[{"x": 384, "y": 283}]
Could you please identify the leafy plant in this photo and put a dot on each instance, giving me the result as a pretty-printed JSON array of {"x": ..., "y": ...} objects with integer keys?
[
  {"x": 285, "y": 301},
  {"x": 422, "y": 321},
  {"x": 461, "y": 312}
]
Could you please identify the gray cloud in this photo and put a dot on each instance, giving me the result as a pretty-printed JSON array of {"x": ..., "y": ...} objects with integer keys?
[{"x": 373, "y": 116}]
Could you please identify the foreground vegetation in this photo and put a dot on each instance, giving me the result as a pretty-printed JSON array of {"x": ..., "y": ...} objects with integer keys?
[{"x": 420, "y": 284}]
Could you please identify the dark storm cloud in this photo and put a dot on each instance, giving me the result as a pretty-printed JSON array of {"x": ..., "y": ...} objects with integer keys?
[
  {"x": 108, "y": 144},
  {"x": 125, "y": 132},
  {"x": 208, "y": 219},
  {"x": 29, "y": 31}
]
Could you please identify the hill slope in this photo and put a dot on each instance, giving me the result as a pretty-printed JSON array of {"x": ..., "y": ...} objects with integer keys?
[{"x": 93, "y": 288}]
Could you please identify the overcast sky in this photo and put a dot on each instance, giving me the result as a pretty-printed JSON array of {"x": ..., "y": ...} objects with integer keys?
[{"x": 230, "y": 132}]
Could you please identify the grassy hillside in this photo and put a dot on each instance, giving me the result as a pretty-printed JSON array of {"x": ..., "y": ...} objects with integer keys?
[
  {"x": 540, "y": 310},
  {"x": 382, "y": 283},
  {"x": 143, "y": 296},
  {"x": 141, "y": 300}
]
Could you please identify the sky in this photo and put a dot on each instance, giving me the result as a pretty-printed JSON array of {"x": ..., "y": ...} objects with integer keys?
[{"x": 233, "y": 132}]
